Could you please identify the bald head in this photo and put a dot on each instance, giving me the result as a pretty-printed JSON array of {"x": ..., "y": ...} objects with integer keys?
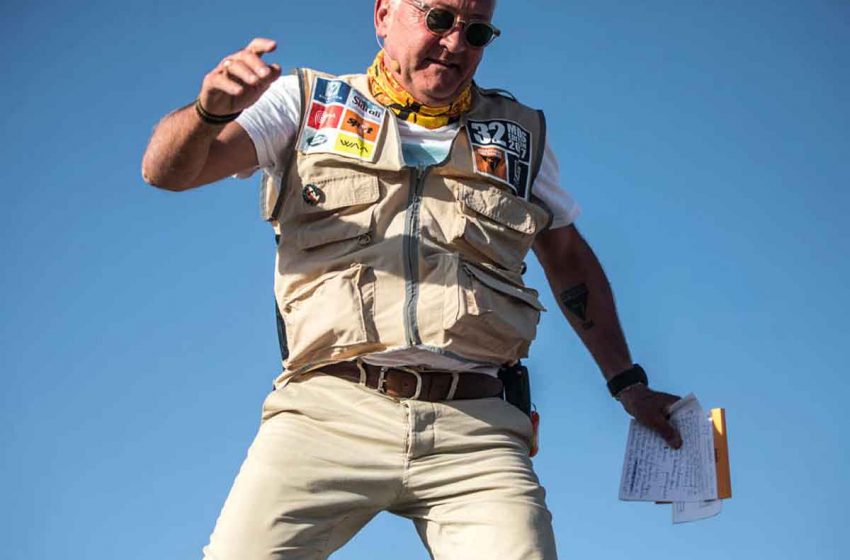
[
  {"x": 394, "y": 4},
  {"x": 434, "y": 68}
]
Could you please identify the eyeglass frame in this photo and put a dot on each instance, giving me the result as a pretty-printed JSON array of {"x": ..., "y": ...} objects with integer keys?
[{"x": 426, "y": 8}]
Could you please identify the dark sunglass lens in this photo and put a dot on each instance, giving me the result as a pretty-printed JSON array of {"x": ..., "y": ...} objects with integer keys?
[
  {"x": 478, "y": 34},
  {"x": 439, "y": 21}
]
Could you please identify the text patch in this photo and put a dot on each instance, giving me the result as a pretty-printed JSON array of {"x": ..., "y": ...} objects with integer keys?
[
  {"x": 354, "y": 145},
  {"x": 501, "y": 149}
]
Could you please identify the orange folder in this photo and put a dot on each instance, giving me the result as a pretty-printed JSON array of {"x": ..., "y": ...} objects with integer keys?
[{"x": 721, "y": 454}]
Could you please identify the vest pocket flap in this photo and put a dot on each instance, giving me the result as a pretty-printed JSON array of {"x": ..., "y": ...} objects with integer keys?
[
  {"x": 315, "y": 234},
  {"x": 339, "y": 192},
  {"x": 502, "y": 207},
  {"x": 336, "y": 209},
  {"x": 526, "y": 295}
]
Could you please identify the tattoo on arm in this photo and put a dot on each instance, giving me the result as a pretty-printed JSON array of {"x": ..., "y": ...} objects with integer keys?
[{"x": 575, "y": 301}]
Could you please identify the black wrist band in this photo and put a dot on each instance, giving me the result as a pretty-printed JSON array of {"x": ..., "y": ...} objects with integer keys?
[
  {"x": 626, "y": 379},
  {"x": 210, "y": 118}
]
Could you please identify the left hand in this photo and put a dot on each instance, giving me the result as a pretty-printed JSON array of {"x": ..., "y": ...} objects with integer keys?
[{"x": 651, "y": 408}]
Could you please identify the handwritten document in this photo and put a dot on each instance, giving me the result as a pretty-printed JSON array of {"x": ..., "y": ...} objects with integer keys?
[
  {"x": 683, "y": 512},
  {"x": 652, "y": 471}
]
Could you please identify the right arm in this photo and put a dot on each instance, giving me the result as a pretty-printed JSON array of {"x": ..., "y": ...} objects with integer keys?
[{"x": 186, "y": 152}]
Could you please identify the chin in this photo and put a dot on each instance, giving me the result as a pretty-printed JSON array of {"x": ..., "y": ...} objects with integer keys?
[{"x": 444, "y": 91}]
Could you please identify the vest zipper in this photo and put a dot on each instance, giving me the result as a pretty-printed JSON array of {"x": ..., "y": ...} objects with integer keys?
[
  {"x": 411, "y": 254},
  {"x": 418, "y": 175}
]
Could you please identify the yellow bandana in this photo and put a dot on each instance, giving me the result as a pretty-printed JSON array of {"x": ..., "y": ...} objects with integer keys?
[{"x": 389, "y": 93}]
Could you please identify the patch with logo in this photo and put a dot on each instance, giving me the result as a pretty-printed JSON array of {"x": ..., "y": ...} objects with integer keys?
[
  {"x": 357, "y": 125},
  {"x": 341, "y": 120},
  {"x": 324, "y": 116},
  {"x": 501, "y": 150},
  {"x": 354, "y": 145}
]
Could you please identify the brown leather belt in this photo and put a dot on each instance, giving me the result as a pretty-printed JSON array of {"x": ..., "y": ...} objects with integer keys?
[{"x": 431, "y": 386}]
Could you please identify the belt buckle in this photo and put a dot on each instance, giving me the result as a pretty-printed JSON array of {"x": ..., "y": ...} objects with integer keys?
[
  {"x": 382, "y": 381},
  {"x": 418, "y": 383}
]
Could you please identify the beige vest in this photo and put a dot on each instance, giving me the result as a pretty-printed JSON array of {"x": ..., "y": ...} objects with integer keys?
[{"x": 375, "y": 256}]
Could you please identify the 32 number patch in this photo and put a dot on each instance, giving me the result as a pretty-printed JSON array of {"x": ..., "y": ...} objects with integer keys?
[{"x": 502, "y": 150}]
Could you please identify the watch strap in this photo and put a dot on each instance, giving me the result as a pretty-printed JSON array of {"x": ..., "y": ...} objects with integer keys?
[{"x": 626, "y": 379}]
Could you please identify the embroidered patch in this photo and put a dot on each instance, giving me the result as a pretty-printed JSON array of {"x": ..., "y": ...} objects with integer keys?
[
  {"x": 341, "y": 120},
  {"x": 502, "y": 150}
]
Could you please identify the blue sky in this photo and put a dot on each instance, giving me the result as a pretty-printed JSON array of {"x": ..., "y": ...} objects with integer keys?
[{"x": 707, "y": 143}]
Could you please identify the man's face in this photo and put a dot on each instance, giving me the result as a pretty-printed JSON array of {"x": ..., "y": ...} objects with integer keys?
[{"x": 433, "y": 69}]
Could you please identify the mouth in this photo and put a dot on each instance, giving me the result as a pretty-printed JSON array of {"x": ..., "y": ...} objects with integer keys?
[{"x": 443, "y": 63}]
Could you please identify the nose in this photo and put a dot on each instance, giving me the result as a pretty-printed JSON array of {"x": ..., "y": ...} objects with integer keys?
[{"x": 453, "y": 41}]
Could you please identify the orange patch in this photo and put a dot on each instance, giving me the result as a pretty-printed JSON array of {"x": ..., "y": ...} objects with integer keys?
[
  {"x": 357, "y": 125},
  {"x": 491, "y": 161}
]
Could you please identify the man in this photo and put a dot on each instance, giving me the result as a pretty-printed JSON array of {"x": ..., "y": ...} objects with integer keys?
[{"x": 405, "y": 200}]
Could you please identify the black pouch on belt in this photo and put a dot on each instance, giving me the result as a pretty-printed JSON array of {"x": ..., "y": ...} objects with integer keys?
[{"x": 517, "y": 386}]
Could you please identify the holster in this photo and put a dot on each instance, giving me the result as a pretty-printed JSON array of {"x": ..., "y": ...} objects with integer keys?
[{"x": 517, "y": 386}]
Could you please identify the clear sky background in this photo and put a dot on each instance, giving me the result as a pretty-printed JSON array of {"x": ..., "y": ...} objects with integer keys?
[{"x": 707, "y": 142}]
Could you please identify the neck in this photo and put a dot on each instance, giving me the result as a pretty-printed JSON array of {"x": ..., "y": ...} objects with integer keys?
[
  {"x": 389, "y": 89},
  {"x": 393, "y": 69}
]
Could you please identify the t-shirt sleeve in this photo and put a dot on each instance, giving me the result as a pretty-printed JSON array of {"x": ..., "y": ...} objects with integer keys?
[
  {"x": 272, "y": 122},
  {"x": 547, "y": 187}
]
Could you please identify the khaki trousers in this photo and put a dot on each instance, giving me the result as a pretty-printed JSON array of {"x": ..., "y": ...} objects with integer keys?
[{"x": 330, "y": 454}]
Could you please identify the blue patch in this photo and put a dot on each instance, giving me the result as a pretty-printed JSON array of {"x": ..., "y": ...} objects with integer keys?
[{"x": 331, "y": 91}]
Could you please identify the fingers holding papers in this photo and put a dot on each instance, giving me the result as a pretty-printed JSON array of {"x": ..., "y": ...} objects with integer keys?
[{"x": 652, "y": 409}]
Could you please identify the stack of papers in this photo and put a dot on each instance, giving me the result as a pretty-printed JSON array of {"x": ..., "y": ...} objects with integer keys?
[{"x": 694, "y": 478}]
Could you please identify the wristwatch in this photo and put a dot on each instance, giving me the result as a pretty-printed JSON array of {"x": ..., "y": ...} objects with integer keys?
[{"x": 626, "y": 379}]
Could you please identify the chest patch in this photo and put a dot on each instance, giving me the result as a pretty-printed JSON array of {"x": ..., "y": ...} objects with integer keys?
[
  {"x": 501, "y": 150},
  {"x": 341, "y": 120}
]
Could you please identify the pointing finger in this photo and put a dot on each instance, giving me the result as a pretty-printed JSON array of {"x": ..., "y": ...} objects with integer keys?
[{"x": 261, "y": 45}]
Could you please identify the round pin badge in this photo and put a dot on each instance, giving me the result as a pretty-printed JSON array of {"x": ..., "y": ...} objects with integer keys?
[{"x": 312, "y": 194}]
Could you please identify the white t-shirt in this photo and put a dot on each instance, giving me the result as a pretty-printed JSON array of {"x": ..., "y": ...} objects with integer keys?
[{"x": 272, "y": 123}]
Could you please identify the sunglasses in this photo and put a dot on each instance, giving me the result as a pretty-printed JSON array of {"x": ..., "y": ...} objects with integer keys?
[{"x": 440, "y": 21}]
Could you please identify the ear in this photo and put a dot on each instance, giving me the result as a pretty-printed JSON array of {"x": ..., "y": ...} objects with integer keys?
[{"x": 383, "y": 12}]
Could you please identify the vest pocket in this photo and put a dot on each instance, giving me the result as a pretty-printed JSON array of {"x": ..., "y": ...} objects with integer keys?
[
  {"x": 497, "y": 224},
  {"x": 327, "y": 318},
  {"x": 488, "y": 316},
  {"x": 335, "y": 209}
]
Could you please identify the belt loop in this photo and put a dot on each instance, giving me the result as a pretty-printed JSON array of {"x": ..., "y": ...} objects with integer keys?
[
  {"x": 382, "y": 380},
  {"x": 453, "y": 388},
  {"x": 362, "y": 371}
]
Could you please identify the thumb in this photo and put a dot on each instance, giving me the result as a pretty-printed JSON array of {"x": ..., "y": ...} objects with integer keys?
[
  {"x": 666, "y": 430},
  {"x": 274, "y": 73}
]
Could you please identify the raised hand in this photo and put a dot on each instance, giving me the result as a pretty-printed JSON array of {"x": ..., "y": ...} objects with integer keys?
[{"x": 239, "y": 79}]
